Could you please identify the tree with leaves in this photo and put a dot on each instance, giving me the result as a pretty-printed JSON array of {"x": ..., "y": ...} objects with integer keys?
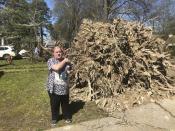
[{"x": 24, "y": 21}]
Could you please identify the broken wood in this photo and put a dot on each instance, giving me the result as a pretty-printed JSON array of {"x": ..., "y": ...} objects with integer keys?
[{"x": 119, "y": 57}]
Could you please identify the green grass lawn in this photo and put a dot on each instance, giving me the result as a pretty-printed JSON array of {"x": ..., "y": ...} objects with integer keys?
[
  {"x": 22, "y": 65},
  {"x": 24, "y": 103}
]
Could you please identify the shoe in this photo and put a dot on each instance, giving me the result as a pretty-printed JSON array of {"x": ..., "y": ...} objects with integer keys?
[
  {"x": 68, "y": 121},
  {"x": 53, "y": 123}
]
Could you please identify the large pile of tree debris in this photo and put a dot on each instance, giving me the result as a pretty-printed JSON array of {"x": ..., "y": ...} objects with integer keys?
[{"x": 119, "y": 64}]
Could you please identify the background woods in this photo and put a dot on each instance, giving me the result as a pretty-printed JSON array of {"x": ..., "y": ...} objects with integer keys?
[
  {"x": 158, "y": 14},
  {"x": 25, "y": 22}
]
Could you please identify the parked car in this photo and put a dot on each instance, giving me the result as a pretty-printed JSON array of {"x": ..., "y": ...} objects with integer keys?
[
  {"x": 6, "y": 52},
  {"x": 24, "y": 53}
]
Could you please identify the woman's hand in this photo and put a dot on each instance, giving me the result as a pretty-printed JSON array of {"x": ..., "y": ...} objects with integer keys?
[{"x": 66, "y": 60}]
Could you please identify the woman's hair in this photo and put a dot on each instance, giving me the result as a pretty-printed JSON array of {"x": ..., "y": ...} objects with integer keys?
[
  {"x": 58, "y": 44},
  {"x": 58, "y": 47}
]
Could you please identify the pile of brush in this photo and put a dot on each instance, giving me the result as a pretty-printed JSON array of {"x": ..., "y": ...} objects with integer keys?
[{"x": 118, "y": 64}]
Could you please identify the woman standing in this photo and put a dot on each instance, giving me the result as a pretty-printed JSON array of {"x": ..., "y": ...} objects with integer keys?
[{"x": 57, "y": 85}]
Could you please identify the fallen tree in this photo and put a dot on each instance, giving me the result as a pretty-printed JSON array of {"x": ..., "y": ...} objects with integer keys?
[{"x": 119, "y": 64}]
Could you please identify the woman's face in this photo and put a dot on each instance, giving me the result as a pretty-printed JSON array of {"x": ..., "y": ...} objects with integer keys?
[{"x": 58, "y": 53}]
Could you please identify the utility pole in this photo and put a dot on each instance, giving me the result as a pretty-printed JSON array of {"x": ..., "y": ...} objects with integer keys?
[{"x": 2, "y": 41}]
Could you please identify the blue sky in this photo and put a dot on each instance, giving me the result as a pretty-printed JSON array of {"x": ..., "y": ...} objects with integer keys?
[{"x": 50, "y": 3}]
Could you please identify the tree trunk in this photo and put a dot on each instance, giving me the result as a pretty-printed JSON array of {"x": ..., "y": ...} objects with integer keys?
[
  {"x": 42, "y": 34},
  {"x": 42, "y": 40},
  {"x": 107, "y": 7}
]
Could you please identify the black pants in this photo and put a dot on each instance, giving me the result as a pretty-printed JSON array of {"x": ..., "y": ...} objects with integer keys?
[{"x": 55, "y": 102}]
